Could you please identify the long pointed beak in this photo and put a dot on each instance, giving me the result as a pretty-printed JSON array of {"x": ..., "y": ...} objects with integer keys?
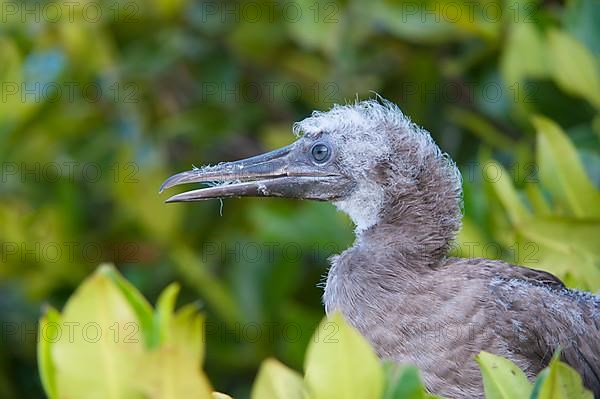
[{"x": 279, "y": 173}]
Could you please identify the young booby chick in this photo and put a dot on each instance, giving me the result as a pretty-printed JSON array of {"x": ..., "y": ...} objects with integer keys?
[{"x": 396, "y": 284}]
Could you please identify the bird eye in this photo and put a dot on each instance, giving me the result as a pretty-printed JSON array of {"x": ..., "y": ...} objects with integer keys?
[{"x": 320, "y": 152}]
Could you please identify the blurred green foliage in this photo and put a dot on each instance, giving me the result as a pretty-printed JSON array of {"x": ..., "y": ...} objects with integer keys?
[{"x": 100, "y": 100}]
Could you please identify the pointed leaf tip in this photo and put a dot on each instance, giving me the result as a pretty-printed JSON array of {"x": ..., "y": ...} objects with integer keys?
[
  {"x": 561, "y": 170},
  {"x": 106, "y": 268},
  {"x": 560, "y": 381},
  {"x": 276, "y": 381},
  {"x": 134, "y": 298},
  {"x": 105, "y": 353}
]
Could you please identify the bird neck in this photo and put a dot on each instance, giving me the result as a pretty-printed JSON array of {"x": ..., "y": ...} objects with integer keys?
[
  {"x": 420, "y": 216},
  {"x": 418, "y": 224},
  {"x": 415, "y": 228},
  {"x": 392, "y": 257}
]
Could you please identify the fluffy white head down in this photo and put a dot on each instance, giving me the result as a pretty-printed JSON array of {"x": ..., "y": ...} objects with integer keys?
[{"x": 363, "y": 135}]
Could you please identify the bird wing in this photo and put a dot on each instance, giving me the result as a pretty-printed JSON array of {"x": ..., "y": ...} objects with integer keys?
[
  {"x": 538, "y": 277},
  {"x": 554, "y": 316}
]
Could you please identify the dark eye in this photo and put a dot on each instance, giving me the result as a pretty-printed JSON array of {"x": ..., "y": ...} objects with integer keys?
[{"x": 320, "y": 152}]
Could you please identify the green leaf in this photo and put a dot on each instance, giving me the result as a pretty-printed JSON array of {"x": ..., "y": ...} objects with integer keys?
[
  {"x": 173, "y": 369},
  {"x": 409, "y": 21},
  {"x": 340, "y": 363},
  {"x": 524, "y": 56},
  {"x": 188, "y": 332},
  {"x": 276, "y": 381},
  {"x": 469, "y": 234},
  {"x": 480, "y": 126},
  {"x": 539, "y": 381},
  {"x": 562, "y": 172},
  {"x": 564, "y": 234},
  {"x": 573, "y": 67},
  {"x": 211, "y": 289},
  {"x": 502, "y": 185},
  {"x": 49, "y": 328},
  {"x": 502, "y": 379},
  {"x": 169, "y": 8},
  {"x": 165, "y": 306},
  {"x": 537, "y": 200},
  {"x": 100, "y": 350},
  {"x": 320, "y": 28},
  {"x": 403, "y": 382},
  {"x": 136, "y": 300},
  {"x": 562, "y": 382},
  {"x": 562, "y": 247},
  {"x": 134, "y": 198},
  {"x": 581, "y": 20}
]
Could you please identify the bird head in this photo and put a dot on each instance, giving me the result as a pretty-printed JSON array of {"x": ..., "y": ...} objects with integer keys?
[{"x": 361, "y": 157}]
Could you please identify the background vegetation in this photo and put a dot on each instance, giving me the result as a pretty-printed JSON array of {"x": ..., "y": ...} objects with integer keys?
[{"x": 101, "y": 100}]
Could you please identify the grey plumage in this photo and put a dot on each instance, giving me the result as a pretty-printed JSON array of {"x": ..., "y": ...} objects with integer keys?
[{"x": 396, "y": 284}]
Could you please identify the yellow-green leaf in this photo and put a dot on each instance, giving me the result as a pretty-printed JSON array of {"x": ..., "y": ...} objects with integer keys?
[
  {"x": 563, "y": 247},
  {"x": 562, "y": 172},
  {"x": 537, "y": 200},
  {"x": 134, "y": 197},
  {"x": 276, "y": 381},
  {"x": 48, "y": 329},
  {"x": 188, "y": 332},
  {"x": 562, "y": 382},
  {"x": 169, "y": 373},
  {"x": 165, "y": 306},
  {"x": 169, "y": 8},
  {"x": 469, "y": 234},
  {"x": 573, "y": 67},
  {"x": 480, "y": 126},
  {"x": 506, "y": 193},
  {"x": 318, "y": 33},
  {"x": 99, "y": 352},
  {"x": 341, "y": 364},
  {"x": 136, "y": 300},
  {"x": 524, "y": 55},
  {"x": 567, "y": 235},
  {"x": 502, "y": 379},
  {"x": 173, "y": 369}
]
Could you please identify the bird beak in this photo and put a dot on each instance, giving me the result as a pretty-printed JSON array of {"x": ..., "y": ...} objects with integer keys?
[{"x": 285, "y": 172}]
